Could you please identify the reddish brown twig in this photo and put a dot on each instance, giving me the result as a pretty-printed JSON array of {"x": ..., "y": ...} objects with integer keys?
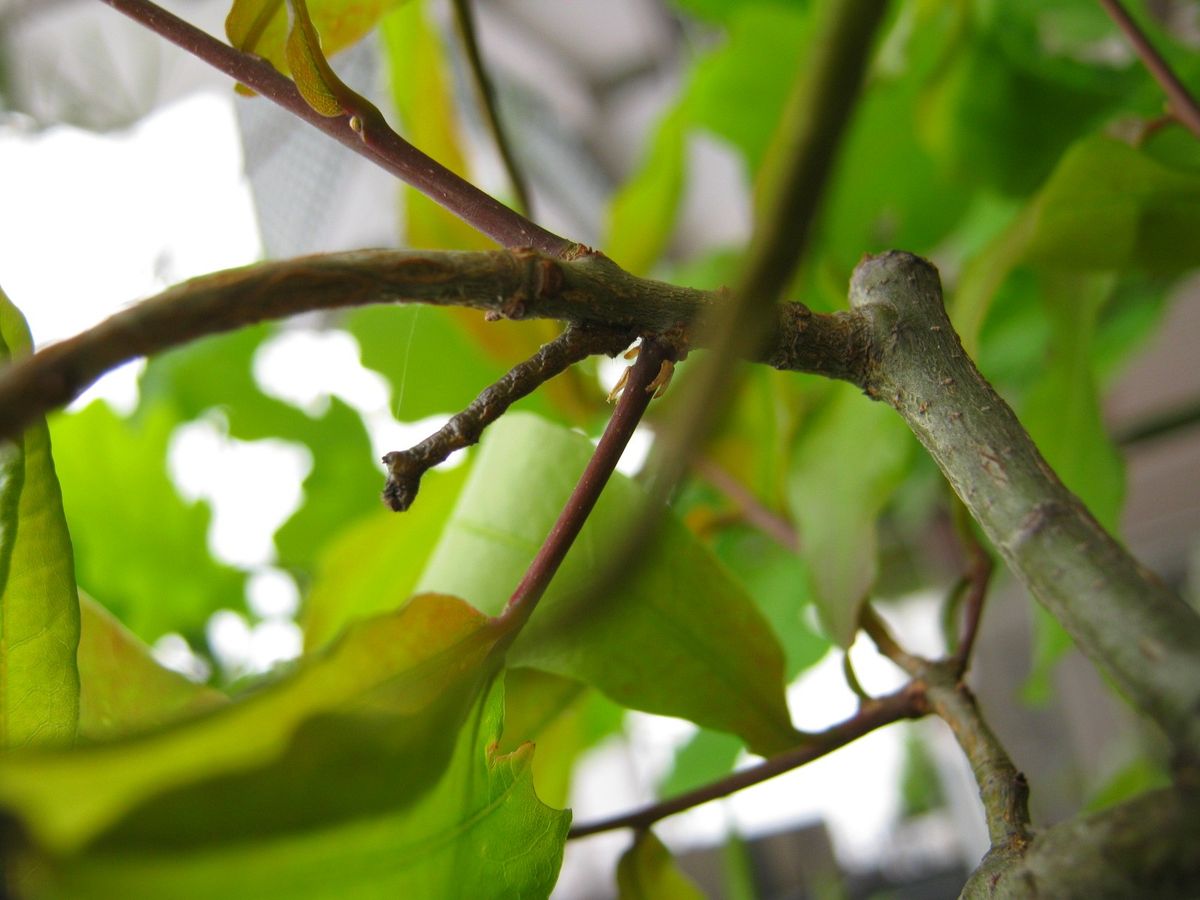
[
  {"x": 385, "y": 148},
  {"x": 978, "y": 577},
  {"x": 1183, "y": 106},
  {"x": 753, "y": 511},
  {"x": 631, "y": 406},
  {"x": 906, "y": 703}
]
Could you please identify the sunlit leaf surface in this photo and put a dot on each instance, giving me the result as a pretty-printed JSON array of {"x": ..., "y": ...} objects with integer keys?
[
  {"x": 261, "y": 26},
  {"x": 479, "y": 832},
  {"x": 363, "y": 728},
  {"x": 681, "y": 622},
  {"x": 39, "y": 607},
  {"x": 121, "y": 688}
]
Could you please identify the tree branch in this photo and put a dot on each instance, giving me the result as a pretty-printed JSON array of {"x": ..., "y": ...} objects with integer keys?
[
  {"x": 631, "y": 406},
  {"x": 1002, "y": 788},
  {"x": 906, "y": 703},
  {"x": 406, "y": 467},
  {"x": 590, "y": 291},
  {"x": 384, "y": 147},
  {"x": 1148, "y": 847},
  {"x": 1122, "y": 617},
  {"x": 1183, "y": 106}
]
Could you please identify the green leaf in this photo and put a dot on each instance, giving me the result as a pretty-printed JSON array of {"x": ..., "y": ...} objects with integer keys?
[
  {"x": 218, "y": 373},
  {"x": 1063, "y": 416},
  {"x": 647, "y": 872},
  {"x": 412, "y": 348},
  {"x": 845, "y": 468},
  {"x": 140, "y": 548},
  {"x": 1136, "y": 777},
  {"x": 920, "y": 782},
  {"x": 778, "y": 580},
  {"x": 39, "y": 606},
  {"x": 261, "y": 26},
  {"x": 709, "y": 755},
  {"x": 342, "y": 487},
  {"x": 642, "y": 214},
  {"x": 121, "y": 688},
  {"x": 480, "y": 832},
  {"x": 680, "y": 622},
  {"x": 345, "y": 480},
  {"x": 1110, "y": 206},
  {"x": 902, "y": 197},
  {"x": 1062, "y": 413},
  {"x": 373, "y": 566},
  {"x": 562, "y": 717},
  {"x": 365, "y": 727},
  {"x": 1003, "y": 110},
  {"x": 739, "y": 90},
  {"x": 1107, "y": 207}
]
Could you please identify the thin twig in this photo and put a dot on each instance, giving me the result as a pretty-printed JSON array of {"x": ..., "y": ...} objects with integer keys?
[
  {"x": 978, "y": 576},
  {"x": 464, "y": 18},
  {"x": 631, "y": 406},
  {"x": 406, "y": 467},
  {"x": 879, "y": 634},
  {"x": 1165, "y": 424},
  {"x": 385, "y": 147},
  {"x": 906, "y": 703},
  {"x": 852, "y": 681},
  {"x": 1002, "y": 788},
  {"x": 1181, "y": 103},
  {"x": 752, "y": 509}
]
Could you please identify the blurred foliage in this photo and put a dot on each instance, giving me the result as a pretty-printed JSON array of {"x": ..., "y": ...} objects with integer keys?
[
  {"x": 647, "y": 871},
  {"x": 920, "y": 782},
  {"x": 1008, "y": 140}
]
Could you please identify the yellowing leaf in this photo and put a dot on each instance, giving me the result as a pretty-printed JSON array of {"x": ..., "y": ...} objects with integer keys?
[
  {"x": 39, "y": 607},
  {"x": 261, "y": 26},
  {"x": 478, "y": 832},
  {"x": 366, "y": 726},
  {"x": 314, "y": 78},
  {"x": 121, "y": 687}
]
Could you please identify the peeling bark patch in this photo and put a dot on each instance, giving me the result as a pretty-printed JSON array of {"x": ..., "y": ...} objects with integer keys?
[
  {"x": 1150, "y": 648},
  {"x": 993, "y": 466}
]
